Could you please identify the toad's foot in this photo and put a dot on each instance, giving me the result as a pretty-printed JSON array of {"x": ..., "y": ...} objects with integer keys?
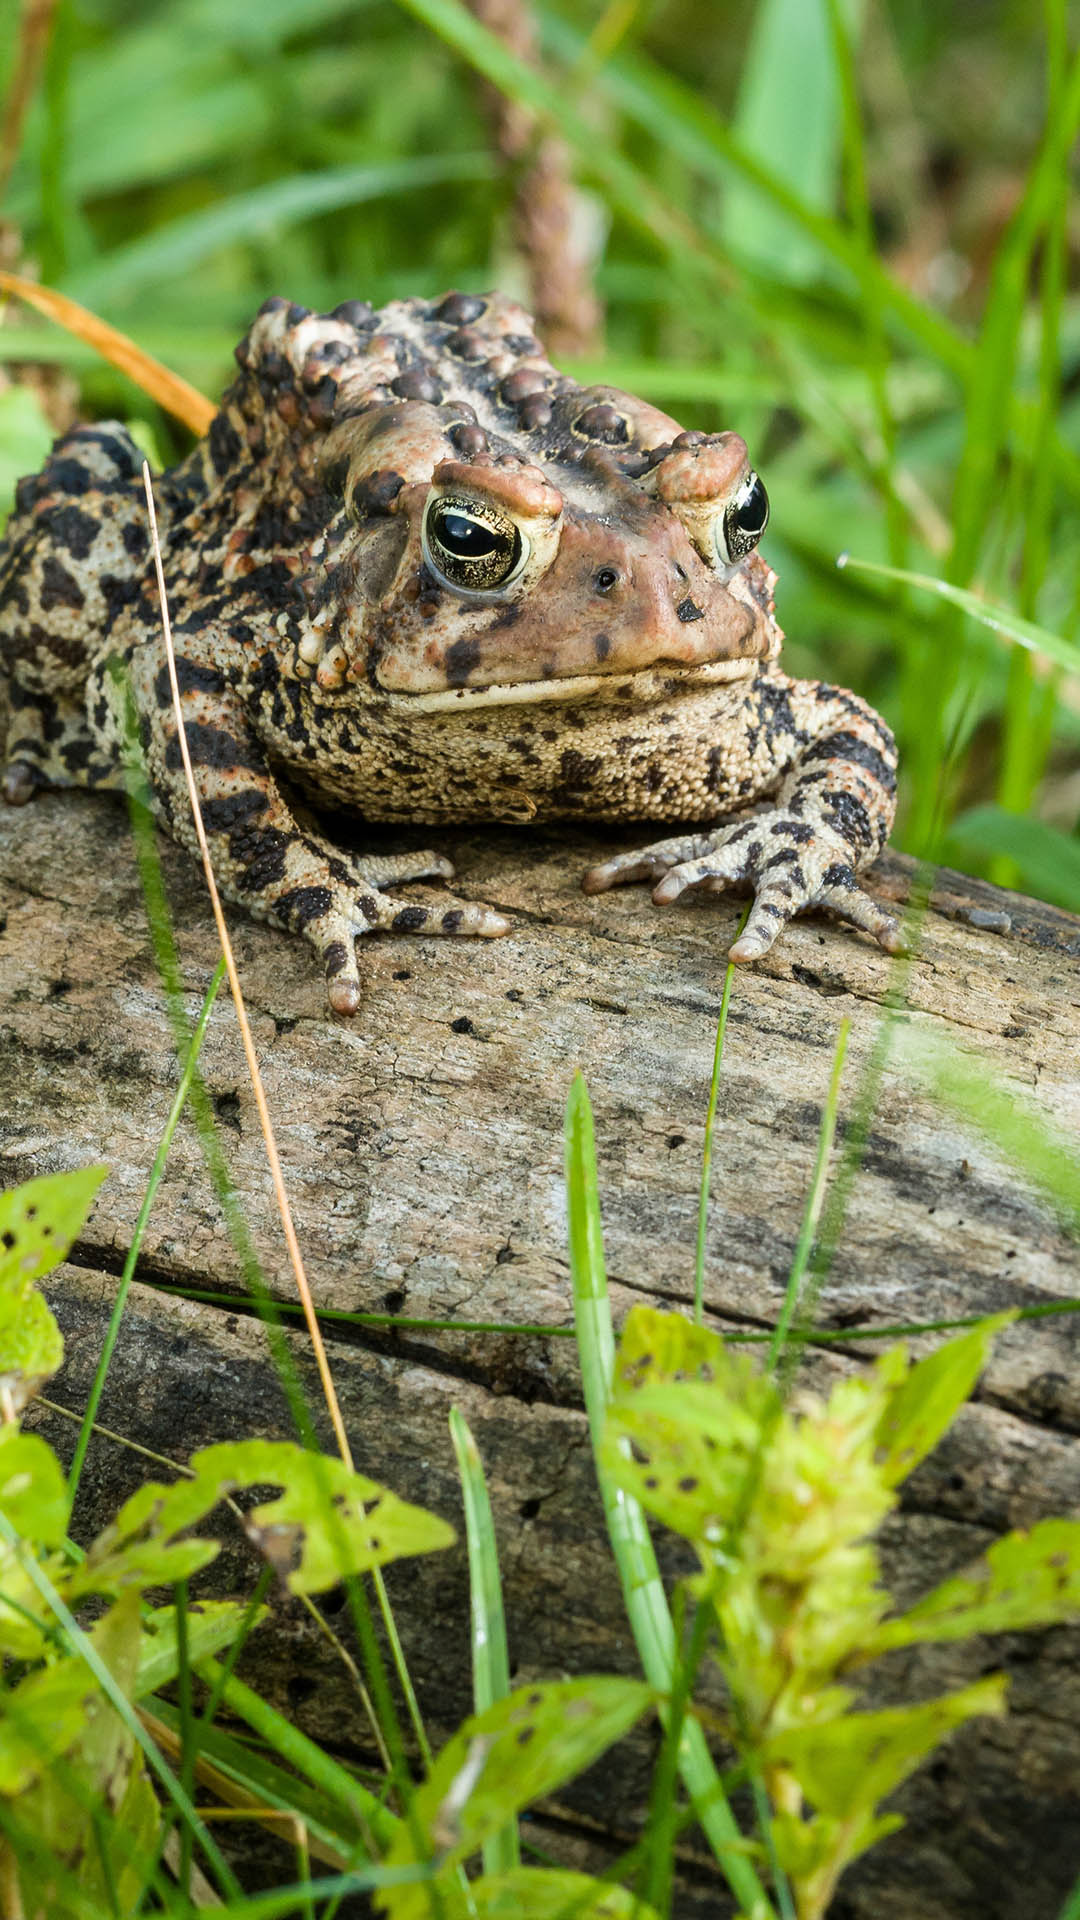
[
  {"x": 332, "y": 917},
  {"x": 789, "y": 865}
]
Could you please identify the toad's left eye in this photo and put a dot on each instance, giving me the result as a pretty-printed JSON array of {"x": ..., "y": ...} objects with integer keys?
[
  {"x": 470, "y": 545},
  {"x": 745, "y": 520}
]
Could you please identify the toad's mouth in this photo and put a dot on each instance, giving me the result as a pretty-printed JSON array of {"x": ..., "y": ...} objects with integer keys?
[{"x": 643, "y": 685}]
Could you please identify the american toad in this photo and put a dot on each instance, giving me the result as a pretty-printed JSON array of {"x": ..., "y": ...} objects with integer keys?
[{"x": 418, "y": 574}]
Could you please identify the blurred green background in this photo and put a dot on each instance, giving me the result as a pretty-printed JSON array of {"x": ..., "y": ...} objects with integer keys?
[{"x": 844, "y": 229}]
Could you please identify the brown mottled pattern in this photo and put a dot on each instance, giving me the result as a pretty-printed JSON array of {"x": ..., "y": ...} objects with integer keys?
[{"x": 624, "y": 666}]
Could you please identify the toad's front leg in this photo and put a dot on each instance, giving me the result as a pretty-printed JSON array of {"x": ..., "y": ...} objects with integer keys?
[
  {"x": 263, "y": 858},
  {"x": 830, "y": 815}
]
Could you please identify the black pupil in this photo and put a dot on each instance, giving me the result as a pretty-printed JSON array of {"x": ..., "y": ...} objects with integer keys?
[
  {"x": 469, "y": 539},
  {"x": 751, "y": 514}
]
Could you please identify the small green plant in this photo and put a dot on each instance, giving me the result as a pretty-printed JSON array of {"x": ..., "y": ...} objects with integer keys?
[{"x": 780, "y": 1498}]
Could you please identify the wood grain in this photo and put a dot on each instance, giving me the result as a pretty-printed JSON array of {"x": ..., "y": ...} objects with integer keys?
[{"x": 423, "y": 1151}]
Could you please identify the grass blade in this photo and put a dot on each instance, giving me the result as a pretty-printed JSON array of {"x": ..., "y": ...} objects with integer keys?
[
  {"x": 999, "y": 619},
  {"x": 643, "y": 1590},
  {"x": 490, "y": 1659}
]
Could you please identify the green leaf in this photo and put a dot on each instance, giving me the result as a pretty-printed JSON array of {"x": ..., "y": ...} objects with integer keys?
[
  {"x": 1001, "y": 620},
  {"x": 1025, "y": 1580},
  {"x": 327, "y": 1522},
  {"x": 849, "y": 1764},
  {"x": 787, "y": 118},
  {"x": 39, "y": 1221},
  {"x": 927, "y": 1400},
  {"x": 41, "y": 1718},
  {"x": 534, "y": 1893},
  {"x": 687, "y": 1419},
  {"x": 1049, "y": 860},
  {"x": 211, "y": 1626},
  {"x": 25, "y": 439},
  {"x": 498, "y": 1762},
  {"x": 33, "y": 1493}
]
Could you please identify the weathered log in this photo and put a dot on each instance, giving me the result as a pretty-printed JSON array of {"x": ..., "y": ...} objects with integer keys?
[{"x": 422, "y": 1147}]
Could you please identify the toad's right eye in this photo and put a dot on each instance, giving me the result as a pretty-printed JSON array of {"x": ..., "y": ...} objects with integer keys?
[{"x": 472, "y": 546}]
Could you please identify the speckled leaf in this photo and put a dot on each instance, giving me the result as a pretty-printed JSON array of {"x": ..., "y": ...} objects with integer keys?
[
  {"x": 1026, "y": 1580},
  {"x": 848, "y": 1765},
  {"x": 326, "y": 1523},
  {"x": 535, "y": 1893},
  {"x": 499, "y": 1762},
  {"x": 928, "y": 1399},
  {"x": 685, "y": 1421},
  {"x": 39, "y": 1221}
]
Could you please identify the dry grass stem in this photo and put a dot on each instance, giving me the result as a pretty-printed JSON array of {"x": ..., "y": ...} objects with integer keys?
[{"x": 291, "y": 1241}]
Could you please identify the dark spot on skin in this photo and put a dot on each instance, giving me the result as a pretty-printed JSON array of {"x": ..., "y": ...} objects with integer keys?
[
  {"x": 260, "y": 852},
  {"x": 368, "y": 907},
  {"x": 461, "y": 658},
  {"x": 266, "y": 674},
  {"x": 296, "y": 314},
  {"x": 418, "y": 384},
  {"x": 70, "y": 527},
  {"x": 857, "y": 753},
  {"x": 191, "y": 677},
  {"x": 799, "y": 831},
  {"x": 688, "y": 610},
  {"x": 460, "y": 309},
  {"x": 59, "y": 588},
  {"x": 136, "y": 539},
  {"x": 524, "y": 344},
  {"x": 409, "y": 920},
  {"x": 522, "y": 385},
  {"x": 377, "y": 493},
  {"x": 452, "y": 920},
  {"x": 535, "y": 412},
  {"x": 233, "y": 809},
  {"x": 466, "y": 344},
  {"x": 508, "y": 615},
  {"x": 468, "y": 439},
  {"x": 577, "y": 769},
  {"x": 214, "y": 747},
  {"x": 274, "y": 304},
  {"x": 848, "y": 817},
  {"x": 355, "y": 313},
  {"x": 839, "y": 876},
  {"x": 787, "y": 857},
  {"x": 303, "y": 905},
  {"x": 224, "y": 443},
  {"x": 601, "y": 645},
  {"x": 603, "y": 422}
]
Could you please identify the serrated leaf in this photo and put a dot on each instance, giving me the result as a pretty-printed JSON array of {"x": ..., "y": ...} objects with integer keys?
[
  {"x": 848, "y": 1765},
  {"x": 211, "y": 1626},
  {"x": 927, "y": 1400},
  {"x": 1026, "y": 1580},
  {"x": 499, "y": 1762},
  {"x": 328, "y": 1522},
  {"x": 535, "y": 1893},
  {"x": 692, "y": 1414}
]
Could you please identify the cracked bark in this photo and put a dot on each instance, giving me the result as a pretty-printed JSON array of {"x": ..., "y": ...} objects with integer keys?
[{"x": 424, "y": 1162}]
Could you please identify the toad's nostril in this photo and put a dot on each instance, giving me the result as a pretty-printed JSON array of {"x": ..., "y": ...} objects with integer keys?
[{"x": 604, "y": 579}]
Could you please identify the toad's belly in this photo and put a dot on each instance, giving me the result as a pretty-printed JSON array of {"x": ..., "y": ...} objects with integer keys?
[{"x": 690, "y": 757}]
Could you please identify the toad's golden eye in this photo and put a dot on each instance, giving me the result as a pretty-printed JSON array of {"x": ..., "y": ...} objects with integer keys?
[
  {"x": 745, "y": 520},
  {"x": 472, "y": 546}
]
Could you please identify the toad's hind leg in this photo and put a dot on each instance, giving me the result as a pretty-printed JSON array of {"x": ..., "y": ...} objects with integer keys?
[{"x": 74, "y": 552}]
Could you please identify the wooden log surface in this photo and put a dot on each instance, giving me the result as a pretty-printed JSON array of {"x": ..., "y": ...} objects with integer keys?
[{"x": 422, "y": 1146}]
